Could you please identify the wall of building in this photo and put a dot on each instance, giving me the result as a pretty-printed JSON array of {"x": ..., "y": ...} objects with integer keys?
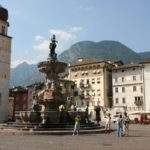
[
  {"x": 5, "y": 52},
  {"x": 147, "y": 86},
  {"x": 123, "y": 84}
]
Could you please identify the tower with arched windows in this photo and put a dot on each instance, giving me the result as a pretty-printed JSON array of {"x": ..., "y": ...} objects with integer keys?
[{"x": 5, "y": 53}]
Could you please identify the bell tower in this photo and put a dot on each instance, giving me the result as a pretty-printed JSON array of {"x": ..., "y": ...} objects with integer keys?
[{"x": 5, "y": 55}]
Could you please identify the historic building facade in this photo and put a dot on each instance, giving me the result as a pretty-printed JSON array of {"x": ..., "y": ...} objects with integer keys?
[
  {"x": 5, "y": 53},
  {"x": 130, "y": 84},
  {"x": 93, "y": 80},
  {"x": 146, "y": 83}
]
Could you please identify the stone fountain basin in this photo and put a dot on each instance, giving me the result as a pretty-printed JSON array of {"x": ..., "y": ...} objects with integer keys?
[
  {"x": 49, "y": 117},
  {"x": 54, "y": 67}
]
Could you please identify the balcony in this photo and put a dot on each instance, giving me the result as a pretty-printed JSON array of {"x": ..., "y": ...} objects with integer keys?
[
  {"x": 83, "y": 85},
  {"x": 87, "y": 97},
  {"x": 138, "y": 103}
]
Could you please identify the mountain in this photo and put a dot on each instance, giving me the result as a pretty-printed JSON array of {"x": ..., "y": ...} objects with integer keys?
[
  {"x": 25, "y": 74},
  {"x": 144, "y": 54},
  {"x": 103, "y": 50}
]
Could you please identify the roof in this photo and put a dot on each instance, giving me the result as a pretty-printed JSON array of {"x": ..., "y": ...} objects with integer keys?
[
  {"x": 3, "y": 14},
  {"x": 81, "y": 62},
  {"x": 127, "y": 66},
  {"x": 145, "y": 61}
]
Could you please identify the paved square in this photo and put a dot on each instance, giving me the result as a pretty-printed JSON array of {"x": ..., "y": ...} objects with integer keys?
[{"x": 139, "y": 139}]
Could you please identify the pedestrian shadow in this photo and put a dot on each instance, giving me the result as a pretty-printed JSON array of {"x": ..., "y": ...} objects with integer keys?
[{"x": 136, "y": 136}]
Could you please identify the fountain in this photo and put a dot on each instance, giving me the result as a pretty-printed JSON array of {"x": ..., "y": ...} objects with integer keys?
[
  {"x": 49, "y": 104},
  {"x": 51, "y": 110}
]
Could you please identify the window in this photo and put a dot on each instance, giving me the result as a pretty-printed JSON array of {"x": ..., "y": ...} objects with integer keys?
[
  {"x": 134, "y": 88},
  {"x": 134, "y": 78},
  {"x": 93, "y": 80},
  {"x": 141, "y": 89},
  {"x": 117, "y": 100},
  {"x": 98, "y": 80},
  {"x": 87, "y": 81},
  {"x": 76, "y": 74},
  {"x": 86, "y": 72},
  {"x": 82, "y": 81},
  {"x": 138, "y": 99},
  {"x": 116, "y": 79},
  {"x": 94, "y": 71},
  {"x": 93, "y": 92},
  {"x": 123, "y": 100},
  {"x": 82, "y": 73},
  {"x": 123, "y": 89},
  {"x": 98, "y": 71},
  {"x": 116, "y": 90},
  {"x": 88, "y": 93},
  {"x": 122, "y": 79},
  {"x": 98, "y": 92}
]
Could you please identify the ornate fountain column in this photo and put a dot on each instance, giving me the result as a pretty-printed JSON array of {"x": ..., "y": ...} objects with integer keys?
[{"x": 51, "y": 96}]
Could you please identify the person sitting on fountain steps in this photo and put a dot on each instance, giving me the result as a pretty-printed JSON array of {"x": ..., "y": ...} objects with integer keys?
[{"x": 77, "y": 125}]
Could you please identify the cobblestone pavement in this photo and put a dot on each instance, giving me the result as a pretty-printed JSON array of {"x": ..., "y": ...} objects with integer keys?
[{"x": 139, "y": 139}]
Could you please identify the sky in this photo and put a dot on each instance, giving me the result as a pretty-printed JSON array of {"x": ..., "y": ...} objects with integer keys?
[{"x": 33, "y": 22}]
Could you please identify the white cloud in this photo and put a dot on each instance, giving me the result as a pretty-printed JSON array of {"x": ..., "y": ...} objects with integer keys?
[
  {"x": 76, "y": 29},
  {"x": 39, "y": 38},
  {"x": 63, "y": 35},
  {"x": 42, "y": 46}
]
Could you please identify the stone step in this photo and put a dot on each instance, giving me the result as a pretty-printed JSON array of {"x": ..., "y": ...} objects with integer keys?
[{"x": 56, "y": 132}]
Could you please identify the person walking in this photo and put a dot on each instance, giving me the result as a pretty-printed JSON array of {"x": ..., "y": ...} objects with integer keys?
[
  {"x": 108, "y": 123},
  {"x": 126, "y": 121},
  {"x": 119, "y": 126},
  {"x": 77, "y": 125}
]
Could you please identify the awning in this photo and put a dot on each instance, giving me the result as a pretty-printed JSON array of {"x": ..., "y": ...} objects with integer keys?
[{"x": 140, "y": 113}]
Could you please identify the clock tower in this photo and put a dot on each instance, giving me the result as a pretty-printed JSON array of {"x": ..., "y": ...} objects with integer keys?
[{"x": 5, "y": 55}]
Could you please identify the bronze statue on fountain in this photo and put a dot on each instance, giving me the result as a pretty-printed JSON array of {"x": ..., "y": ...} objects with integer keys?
[{"x": 52, "y": 46}]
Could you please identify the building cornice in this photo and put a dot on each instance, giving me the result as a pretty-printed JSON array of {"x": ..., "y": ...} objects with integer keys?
[{"x": 6, "y": 36}]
